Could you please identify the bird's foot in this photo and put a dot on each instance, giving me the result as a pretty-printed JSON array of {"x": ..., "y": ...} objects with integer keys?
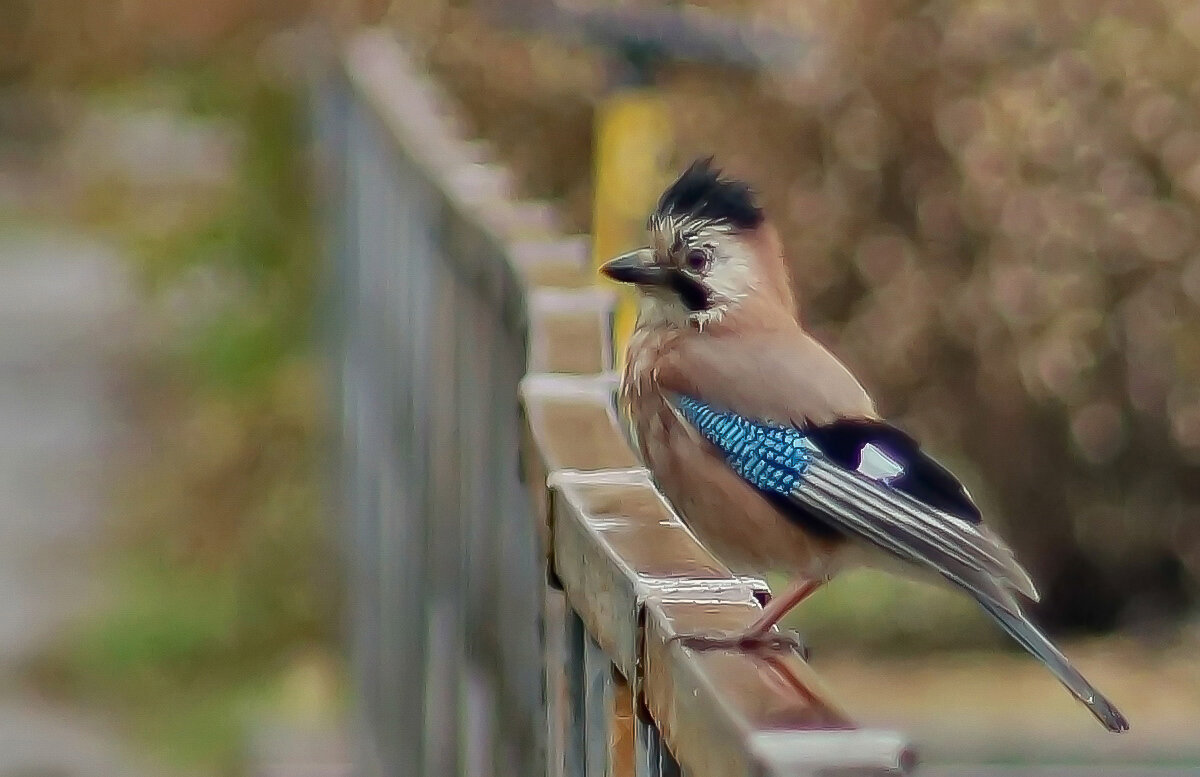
[{"x": 772, "y": 640}]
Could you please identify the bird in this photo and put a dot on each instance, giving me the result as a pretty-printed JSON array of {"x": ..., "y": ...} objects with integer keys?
[{"x": 767, "y": 446}]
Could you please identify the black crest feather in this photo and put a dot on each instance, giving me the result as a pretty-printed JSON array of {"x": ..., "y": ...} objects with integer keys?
[{"x": 701, "y": 192}]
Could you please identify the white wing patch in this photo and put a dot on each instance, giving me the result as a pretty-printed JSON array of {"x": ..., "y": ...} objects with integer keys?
[{"x": 877, "y": 465}]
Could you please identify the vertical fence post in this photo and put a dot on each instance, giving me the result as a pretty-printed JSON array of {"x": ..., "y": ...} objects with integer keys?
[
  {"x": 555, "y": 688},
  {"x": 598, "y": 701},
  {"x": 444, "y": 638},
  {"x": 390, "y": 255},
  {"x": 477, "y": 389},
  {"x": 609, "y": 716},
  {"x": 651, "y": 757},
  {"x": 575, "y": 753}
]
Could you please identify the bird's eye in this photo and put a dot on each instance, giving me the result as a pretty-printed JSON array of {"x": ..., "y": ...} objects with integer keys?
[{"x": 696, "y": 259}]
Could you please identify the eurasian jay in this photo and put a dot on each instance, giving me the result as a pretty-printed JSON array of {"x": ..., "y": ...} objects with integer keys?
[{"x": 770, "y": 449}]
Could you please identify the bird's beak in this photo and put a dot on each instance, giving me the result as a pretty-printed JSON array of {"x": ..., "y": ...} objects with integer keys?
[{"x": 636, "y": 267}]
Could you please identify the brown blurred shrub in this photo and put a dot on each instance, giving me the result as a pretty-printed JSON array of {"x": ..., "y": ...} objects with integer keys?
[
  {"x": 532, "y": 99},
  {"x": 57, "y": 41},
  {"x": 991, "y": 208}
]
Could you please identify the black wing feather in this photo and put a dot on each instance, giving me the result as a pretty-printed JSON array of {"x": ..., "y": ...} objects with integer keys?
[{"x": 924, "y": 478}]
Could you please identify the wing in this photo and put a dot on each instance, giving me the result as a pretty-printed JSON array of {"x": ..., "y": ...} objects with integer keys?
[
  {"x": 784, "y": 377},
  {"x": 789, "y": 462}
]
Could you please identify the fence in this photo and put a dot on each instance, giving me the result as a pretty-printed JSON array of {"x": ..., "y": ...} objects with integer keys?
[{"x": 515, "y": 577}]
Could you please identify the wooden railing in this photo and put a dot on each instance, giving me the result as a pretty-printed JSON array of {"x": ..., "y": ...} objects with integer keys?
[{"x": 515, "y": 577}]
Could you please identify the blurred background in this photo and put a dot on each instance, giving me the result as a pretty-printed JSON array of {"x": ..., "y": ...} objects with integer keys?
[{"x": 991, "y": 211}]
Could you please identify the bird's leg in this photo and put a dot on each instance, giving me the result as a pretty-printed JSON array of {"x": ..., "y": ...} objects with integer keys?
[
  {"x": 780, "y": 606},
  {"x": 759, "y": 634}
]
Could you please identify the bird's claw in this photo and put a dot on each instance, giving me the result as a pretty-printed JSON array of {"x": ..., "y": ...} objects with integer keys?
[{"x": 773, "y": 641}]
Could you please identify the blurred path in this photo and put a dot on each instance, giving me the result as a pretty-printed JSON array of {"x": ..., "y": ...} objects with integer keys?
[
  {"x": 137, "y": 166},
  {"x": 63, "y": 313},
  {"x": 991, "y": 708}
]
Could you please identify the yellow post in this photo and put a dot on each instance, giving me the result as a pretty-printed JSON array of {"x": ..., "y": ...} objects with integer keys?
[{"x": 633, "y": 149}]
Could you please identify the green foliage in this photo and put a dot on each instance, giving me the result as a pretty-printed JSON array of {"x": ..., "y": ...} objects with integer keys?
[
  {"x": 164, "y": 617},
  {"x": 878, "y": 613},
  {"x": 221, "y": 572}
]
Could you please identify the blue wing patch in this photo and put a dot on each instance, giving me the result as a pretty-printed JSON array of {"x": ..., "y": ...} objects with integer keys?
[
  {"x": 771, "y": 458},
  {"x": 774, "y": 458}
]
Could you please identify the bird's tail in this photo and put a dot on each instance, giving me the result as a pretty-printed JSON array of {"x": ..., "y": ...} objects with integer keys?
[{"x": 1037, "y": 643}]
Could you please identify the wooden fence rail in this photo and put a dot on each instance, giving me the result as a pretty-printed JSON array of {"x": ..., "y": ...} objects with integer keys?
[{"x": 515, "y": 577}]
